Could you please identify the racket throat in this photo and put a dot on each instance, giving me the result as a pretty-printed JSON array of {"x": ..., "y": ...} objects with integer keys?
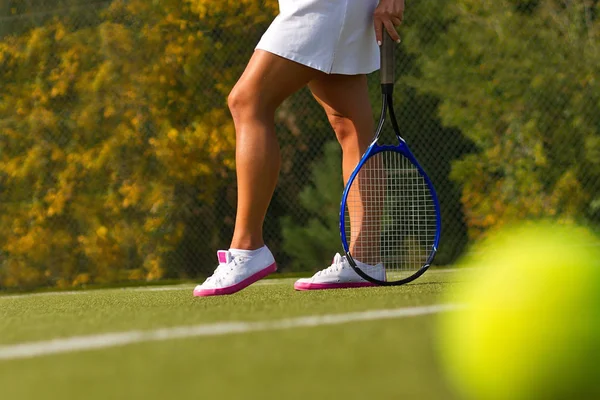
[{"x": 387, "y": 89}]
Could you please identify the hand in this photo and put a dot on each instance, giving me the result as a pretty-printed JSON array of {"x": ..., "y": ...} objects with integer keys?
[{"x": 388, "y": 14}]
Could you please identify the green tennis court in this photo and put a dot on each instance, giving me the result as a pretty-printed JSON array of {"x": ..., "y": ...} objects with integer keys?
[{"x": 384, "y": 357}]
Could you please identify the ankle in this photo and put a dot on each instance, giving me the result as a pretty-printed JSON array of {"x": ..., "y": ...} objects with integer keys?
[{"x": 247, "y": 244}]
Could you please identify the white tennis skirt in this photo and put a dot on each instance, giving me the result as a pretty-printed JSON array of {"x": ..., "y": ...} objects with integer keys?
[{"x": 333, "y": 36}]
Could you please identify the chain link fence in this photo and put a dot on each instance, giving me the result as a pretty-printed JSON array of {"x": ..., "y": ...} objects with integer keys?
[{"x": 117, "y": 149}]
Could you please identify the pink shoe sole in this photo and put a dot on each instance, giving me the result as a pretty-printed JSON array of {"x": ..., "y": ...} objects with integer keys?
[
  {"x": 324, "y": 286},
  {"x": 239, "y": 286}
]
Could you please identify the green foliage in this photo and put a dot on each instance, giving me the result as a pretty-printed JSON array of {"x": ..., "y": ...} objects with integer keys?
[
  {"x": 117, "y": 150},
  {"x": 19, "y": 16},
  {"x": 108, "y": 146},
  {"x": 522, "y": 84},
  {"x": 311, "y": 245}
]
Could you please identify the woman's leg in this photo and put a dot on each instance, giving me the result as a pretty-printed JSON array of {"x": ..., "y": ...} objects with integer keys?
[
  {"x": 345, "y": 99},
  {"x": 267, "y": 81}
]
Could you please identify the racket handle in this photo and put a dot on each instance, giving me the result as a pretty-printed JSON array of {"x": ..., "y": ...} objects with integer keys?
[{"x": 387, "y": 59}]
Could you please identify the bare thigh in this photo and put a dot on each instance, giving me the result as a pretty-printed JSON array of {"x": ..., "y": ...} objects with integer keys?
[
  {"x": 343, "y": 95},
  {"x": 266, "y": 82}
]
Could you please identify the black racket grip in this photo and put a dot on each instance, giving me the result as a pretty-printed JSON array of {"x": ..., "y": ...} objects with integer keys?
[{"x": 387, "y": 59}]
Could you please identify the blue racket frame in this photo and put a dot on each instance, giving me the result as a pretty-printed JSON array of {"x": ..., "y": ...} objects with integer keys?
[{"x": 403, "y": 149}]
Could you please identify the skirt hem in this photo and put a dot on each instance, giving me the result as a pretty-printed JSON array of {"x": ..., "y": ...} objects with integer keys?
[{"x": 307, "y": 62}]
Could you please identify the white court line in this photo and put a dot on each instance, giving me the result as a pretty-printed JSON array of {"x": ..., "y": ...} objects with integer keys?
[
  {"x": 80, "y": 292},
  {"x": 107, "y": 340}
]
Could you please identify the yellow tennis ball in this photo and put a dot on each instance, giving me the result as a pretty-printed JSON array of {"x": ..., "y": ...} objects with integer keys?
[{"x": 530, "y": 328}]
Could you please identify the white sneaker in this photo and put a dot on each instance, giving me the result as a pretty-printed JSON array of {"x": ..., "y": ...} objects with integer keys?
[
  {"x": 237, "y": 269},
  {"x": 340, "y": 275}
]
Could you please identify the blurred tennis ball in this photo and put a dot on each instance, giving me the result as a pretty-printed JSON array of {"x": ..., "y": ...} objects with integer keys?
[{"x": 531, "y": 325}]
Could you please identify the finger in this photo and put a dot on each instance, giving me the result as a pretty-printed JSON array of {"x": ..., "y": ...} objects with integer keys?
[
  {"x": 396, "y": 21},
  {"x": 378, "y": 30},
  {"x": 389, "y": 26}
]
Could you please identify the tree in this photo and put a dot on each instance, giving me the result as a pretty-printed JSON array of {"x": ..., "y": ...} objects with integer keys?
[
  {"x": 519, "y": 79},
  {"x": 311, "y": 243},
  {"x": 110, "y": 149}
]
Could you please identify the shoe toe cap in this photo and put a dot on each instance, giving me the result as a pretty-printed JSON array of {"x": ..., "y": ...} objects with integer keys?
[
  {"x": 200, "y": 288},
  {"x": 303, "y": 283}
]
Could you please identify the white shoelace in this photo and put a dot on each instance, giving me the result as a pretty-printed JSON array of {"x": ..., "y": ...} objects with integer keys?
[
  {"x": 224, "y": 269},
  {"x": 338, "y": 264}
]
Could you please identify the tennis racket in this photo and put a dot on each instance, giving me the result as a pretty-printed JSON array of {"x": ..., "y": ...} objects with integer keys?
[{"x": 389, "y": 213}]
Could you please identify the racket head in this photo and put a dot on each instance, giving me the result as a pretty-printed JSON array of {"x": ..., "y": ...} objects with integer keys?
[{"x": 390, "y": 214}]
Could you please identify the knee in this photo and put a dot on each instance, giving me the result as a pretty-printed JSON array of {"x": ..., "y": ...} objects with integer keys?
[
  {"x": 344, "y": 129},
  {"x": 245, "y": 102},
  {"x": 240, "y": 101}
]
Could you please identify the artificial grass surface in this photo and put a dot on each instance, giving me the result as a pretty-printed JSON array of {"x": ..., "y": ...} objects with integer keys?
[{"x": 380, "y": 359}]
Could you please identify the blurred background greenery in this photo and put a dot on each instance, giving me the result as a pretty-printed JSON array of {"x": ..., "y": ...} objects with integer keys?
[{"x": 117, "y": 148}]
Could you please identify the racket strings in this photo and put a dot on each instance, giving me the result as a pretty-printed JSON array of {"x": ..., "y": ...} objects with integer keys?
[{"x": 390, "y": 215}]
